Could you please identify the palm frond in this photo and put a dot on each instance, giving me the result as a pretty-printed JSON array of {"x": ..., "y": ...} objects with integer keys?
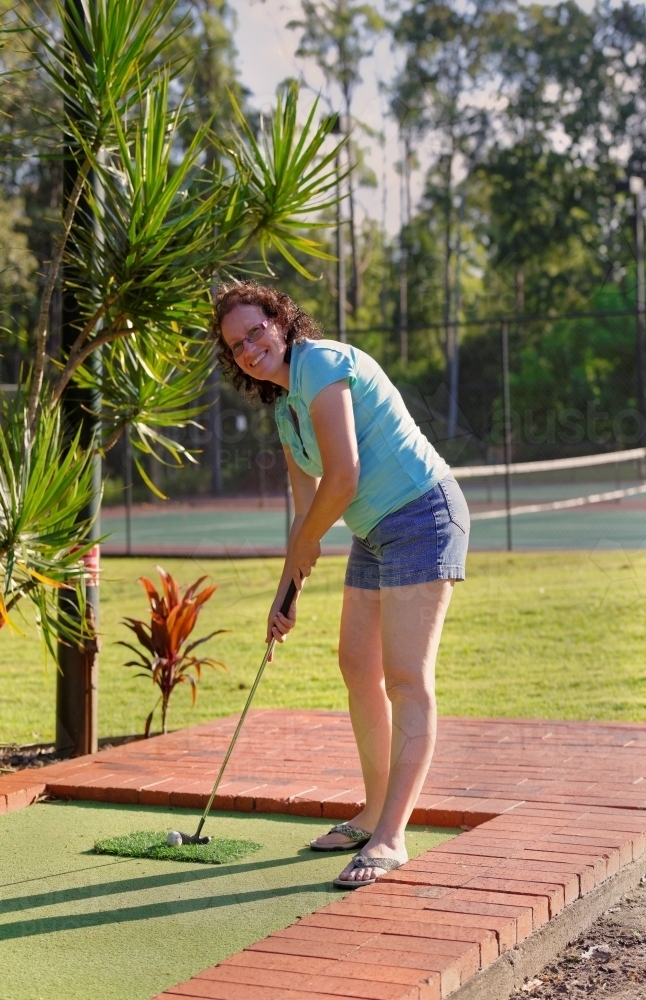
[
  {"x": 109, "y": 52},
  {"x": 146, "y": 391},
  {"x": 284, "y": 178},
  {"x": 45, "y": 485}
]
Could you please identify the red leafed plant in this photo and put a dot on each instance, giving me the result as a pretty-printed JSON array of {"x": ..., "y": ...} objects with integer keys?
[{"x": 173, "y": 616}]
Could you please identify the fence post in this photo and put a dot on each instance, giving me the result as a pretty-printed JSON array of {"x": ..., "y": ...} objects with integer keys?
[
  {"x": 260, "y": 459},
  {"x": 127, "y": 484},
  {"x": 289, "y": 506},
  {"x": 507, "y": 413},
  {"x": 637, "y": 189},
  {"x": 216, "y": 452}
]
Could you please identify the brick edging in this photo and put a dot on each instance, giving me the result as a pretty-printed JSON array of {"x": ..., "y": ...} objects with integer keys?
[{"x": 19, "y": 790}]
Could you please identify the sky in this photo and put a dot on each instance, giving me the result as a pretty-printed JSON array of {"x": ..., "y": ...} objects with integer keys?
[{"x": 266, "y": 55}]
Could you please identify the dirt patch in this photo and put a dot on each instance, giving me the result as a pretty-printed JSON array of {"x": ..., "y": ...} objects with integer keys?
[
  {"x": 19, "y": 758},
  {"x": 608, "y": 961},
  {"x": 16, "y": 758}
]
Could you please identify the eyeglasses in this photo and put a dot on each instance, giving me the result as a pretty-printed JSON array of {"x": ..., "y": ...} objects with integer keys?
[{"x": 252, "y": 336}]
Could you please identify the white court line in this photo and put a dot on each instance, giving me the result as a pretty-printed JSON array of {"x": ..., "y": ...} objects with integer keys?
[{"x": 539, "y": 508}]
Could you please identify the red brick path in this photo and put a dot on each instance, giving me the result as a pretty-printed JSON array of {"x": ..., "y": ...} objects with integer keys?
[{"x": 552, "y": 809}]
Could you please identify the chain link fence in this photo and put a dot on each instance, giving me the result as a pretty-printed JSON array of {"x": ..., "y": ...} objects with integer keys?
[{"x": 506, "y": 391}]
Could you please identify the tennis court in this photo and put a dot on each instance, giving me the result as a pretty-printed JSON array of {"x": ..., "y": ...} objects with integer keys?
[
  {"x": 244, "y": 533},
  {"x": 230, "y": 527},
  {"x": 590, "y": 502}
]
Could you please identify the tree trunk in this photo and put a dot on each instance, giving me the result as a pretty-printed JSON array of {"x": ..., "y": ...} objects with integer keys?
[
  {"x": 76, "y": 690},
  {"x": 77, "y": 676},
  {"x": 404, "y": 211},
  {"x": 448, "y": 256},
  {"x": 520, "y": 290},
  {"x": 454, "y": 373},
  {"x": 340, "y": 265},
  {"x": 355, "y": 281},
  {"x": 354, "y": 290}
]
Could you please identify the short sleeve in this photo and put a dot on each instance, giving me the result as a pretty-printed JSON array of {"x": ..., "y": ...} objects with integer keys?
[{"x": 322, "y": 366}]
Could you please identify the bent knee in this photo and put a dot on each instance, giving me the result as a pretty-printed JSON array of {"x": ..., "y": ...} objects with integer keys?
[
  {"x": 359, "y": 671},
  {"x": 355, "y": 675}
]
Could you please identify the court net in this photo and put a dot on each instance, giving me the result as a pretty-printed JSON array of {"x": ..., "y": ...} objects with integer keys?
[{"x": 528, "y": 488}]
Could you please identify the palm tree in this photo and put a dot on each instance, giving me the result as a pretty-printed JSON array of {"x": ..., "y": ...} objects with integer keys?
[{"x": 151, "y": 221}]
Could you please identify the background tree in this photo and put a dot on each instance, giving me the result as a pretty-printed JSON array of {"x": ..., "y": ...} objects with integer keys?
[
  {"x": 338, "y": 36},
  {"x": 452, "y": 59},
  {"x": 538, "y": 113}
]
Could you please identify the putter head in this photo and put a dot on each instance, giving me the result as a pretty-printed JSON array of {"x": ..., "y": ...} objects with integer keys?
[{"x": 188, "y": 838}]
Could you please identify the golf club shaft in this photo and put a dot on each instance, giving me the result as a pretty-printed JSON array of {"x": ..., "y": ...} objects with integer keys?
[{"x": 284, "y": 610}]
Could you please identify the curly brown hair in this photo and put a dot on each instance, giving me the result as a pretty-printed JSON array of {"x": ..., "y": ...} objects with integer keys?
[{"x": 275, "y": 305}]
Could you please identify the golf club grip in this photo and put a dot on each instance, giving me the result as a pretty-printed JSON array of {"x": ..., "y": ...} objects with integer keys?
[{"x": 289, "y": 597}]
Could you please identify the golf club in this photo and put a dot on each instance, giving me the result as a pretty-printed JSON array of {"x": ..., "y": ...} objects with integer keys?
[{"x": 186, "y": 838}]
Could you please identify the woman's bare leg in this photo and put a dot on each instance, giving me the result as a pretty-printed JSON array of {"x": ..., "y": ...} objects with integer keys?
[
  {"x": 411, "y": 627},
  {"x": 370, "y": 708}
]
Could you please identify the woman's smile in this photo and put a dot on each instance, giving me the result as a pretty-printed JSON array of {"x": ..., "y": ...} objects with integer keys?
[{"x": 257, "y": 360}]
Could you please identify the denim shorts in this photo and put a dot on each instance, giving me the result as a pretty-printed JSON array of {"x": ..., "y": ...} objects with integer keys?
[{"x": 425, "y": 540}]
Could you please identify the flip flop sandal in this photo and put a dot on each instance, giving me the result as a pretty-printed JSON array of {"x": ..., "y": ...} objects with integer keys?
[
  {"x": 357, "y": 837},
  {"x": 361, "y": 861}
]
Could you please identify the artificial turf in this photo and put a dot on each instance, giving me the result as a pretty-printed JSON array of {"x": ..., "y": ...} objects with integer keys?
[
  {"x": 152, "y": 844},
  {"x": 543, "y": 635},
  {"x": 76, "y": 925}
]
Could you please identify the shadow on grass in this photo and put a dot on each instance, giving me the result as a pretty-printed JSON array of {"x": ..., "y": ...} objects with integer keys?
[
  {"x": 174, "y": 908},
  {"x": 199, "y": 874}
]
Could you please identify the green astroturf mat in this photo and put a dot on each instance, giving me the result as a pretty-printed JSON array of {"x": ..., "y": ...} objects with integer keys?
[
  {"x": 148, "y": 844},
  {"x": 76, "y": 925}
]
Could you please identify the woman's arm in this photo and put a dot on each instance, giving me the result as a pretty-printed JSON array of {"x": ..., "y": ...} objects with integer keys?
[
  {"x": 333, "y": 422},
  {"x": 318, "y": 503},
  {"x": 303, "y": 490}
]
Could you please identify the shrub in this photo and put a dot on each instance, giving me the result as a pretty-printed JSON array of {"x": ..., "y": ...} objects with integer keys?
[{"x": 169, "y": 661}]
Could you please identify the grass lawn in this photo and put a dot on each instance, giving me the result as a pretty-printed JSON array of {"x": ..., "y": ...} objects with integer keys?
[
  {"x": 75, "y": 924},
  {"x": 551, "y": 634}
]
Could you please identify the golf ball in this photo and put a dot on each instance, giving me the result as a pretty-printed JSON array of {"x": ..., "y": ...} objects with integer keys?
[{"x": 174, "y": 839}]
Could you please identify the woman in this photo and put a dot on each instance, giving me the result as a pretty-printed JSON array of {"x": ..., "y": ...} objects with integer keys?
[{"x": 353, "y": 449}]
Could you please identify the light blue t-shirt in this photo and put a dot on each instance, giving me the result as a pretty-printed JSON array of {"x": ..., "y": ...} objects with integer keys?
[{"x": 397, "y": 463}]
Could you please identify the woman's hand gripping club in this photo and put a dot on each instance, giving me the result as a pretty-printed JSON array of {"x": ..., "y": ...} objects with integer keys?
[{"x": 279, "y": 622}]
